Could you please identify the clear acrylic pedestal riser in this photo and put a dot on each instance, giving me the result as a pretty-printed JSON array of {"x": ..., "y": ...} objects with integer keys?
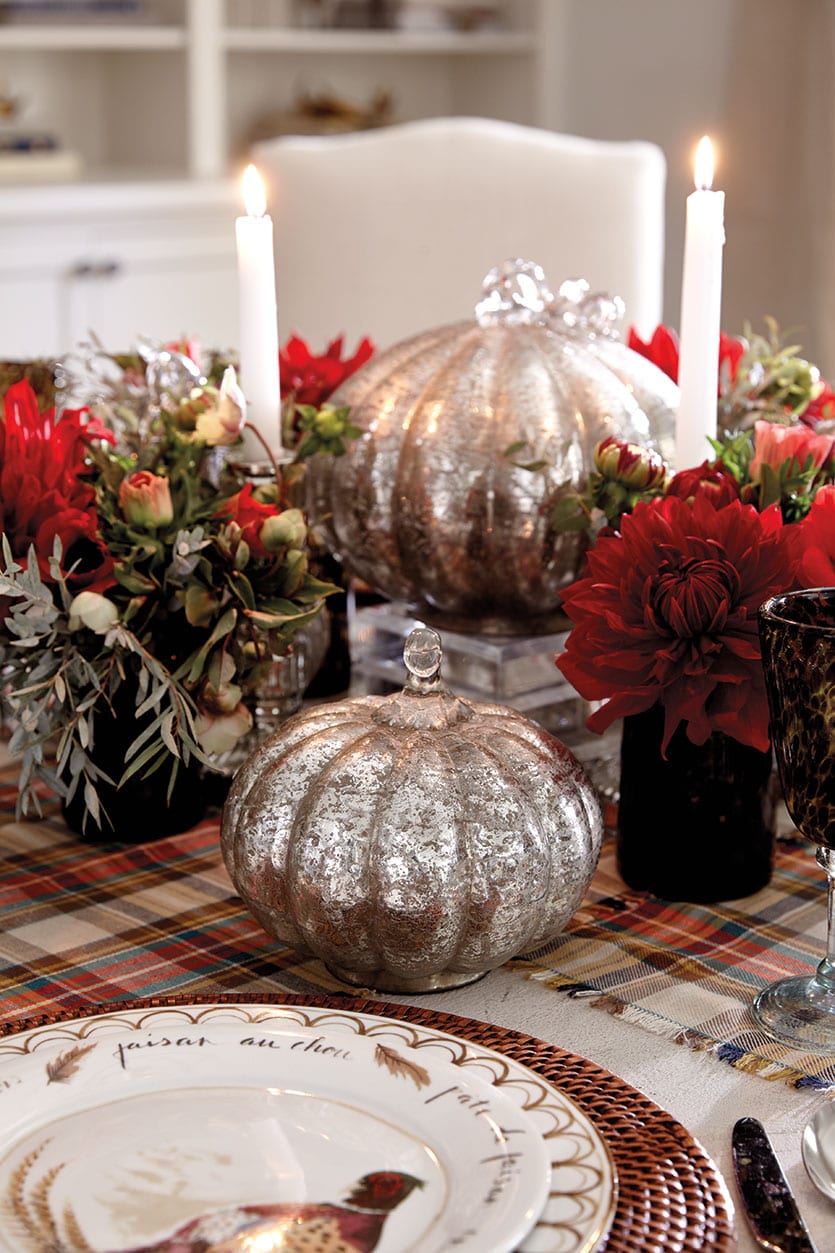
[{"x": 515, "y": 670}]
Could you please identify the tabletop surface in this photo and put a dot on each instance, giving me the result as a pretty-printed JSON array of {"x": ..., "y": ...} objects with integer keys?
[{"x": 85, "y": 924}]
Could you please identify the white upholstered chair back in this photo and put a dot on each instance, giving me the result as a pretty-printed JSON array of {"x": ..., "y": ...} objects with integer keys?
[{"x": 390, "y": 232}]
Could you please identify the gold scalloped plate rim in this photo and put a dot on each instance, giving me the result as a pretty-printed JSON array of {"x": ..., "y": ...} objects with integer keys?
[{"x": 595, "y": 1202}]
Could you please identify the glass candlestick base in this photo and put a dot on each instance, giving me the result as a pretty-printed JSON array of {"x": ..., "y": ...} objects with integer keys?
[{"x": 260, "y": 468}]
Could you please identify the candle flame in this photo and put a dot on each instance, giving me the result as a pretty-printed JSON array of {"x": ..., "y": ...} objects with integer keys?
[
  {"x": 703, "y": 164},
  {"x": 255, "y": 198}
]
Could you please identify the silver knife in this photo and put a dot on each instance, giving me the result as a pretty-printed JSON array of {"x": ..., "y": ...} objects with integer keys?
[{"x": 769, "y": 1205}]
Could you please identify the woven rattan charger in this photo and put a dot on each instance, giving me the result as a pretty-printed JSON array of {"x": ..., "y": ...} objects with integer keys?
[{"x": 670, "y": 1194}]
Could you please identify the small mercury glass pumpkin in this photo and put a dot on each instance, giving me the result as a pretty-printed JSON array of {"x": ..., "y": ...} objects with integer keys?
[
  {"x": 433, "y": 505},
  {"x": 412, "y": 841}
]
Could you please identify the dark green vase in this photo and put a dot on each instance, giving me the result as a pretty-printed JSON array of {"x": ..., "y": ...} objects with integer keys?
[
  {"x": 140, "y": 810},
  {"x": 698, "y": 826}
]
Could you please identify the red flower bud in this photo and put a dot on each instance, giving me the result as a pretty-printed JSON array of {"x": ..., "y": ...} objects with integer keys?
[
  {"x": 631, "y": 464},
  {"x": 712, "y": 481}
]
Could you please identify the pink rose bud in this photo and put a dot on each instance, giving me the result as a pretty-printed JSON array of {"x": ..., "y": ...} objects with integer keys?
[{"x": 145, "y": 499}]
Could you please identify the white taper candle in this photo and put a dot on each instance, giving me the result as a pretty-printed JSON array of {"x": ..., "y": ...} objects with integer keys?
[
  {"x": 258, "y": 318},
  {"x": 701, "y": 311}
]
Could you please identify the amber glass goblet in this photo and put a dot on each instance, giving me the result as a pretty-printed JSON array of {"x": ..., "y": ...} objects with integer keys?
[{"x": 797, "y": 632}]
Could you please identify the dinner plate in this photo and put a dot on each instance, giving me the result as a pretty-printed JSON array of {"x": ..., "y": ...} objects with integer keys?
[{"x": 202, "y": 1126}]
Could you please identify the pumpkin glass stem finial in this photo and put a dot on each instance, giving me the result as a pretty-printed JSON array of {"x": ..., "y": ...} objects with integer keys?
[
  {"x": 425, "y": 702},
  {"x": 422, "y": 654},
  {"x": 515, "y": 293}
]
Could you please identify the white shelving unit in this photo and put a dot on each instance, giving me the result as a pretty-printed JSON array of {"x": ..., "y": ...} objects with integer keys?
[
  {"x": 397, "y": 43},
  {"x": 84, "y": 38},
  {"x": 171, "y": 102},
  {"x": 177, "y": 97}
]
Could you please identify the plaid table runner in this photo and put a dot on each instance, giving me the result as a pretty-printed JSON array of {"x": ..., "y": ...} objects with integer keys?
[
  {"x": 81, "y": 924},
  {"x": 691, "y": 972}
]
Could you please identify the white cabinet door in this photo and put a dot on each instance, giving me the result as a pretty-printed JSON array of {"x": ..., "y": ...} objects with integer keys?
[
  {"x": 118, "y": 261},
  {"x": 31, "y": 321},
  {"x": 165, "y": 298}
]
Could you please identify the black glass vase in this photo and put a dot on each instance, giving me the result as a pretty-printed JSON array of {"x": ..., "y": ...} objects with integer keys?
[
  {"x": 697, "y": 826},
  {"x": 140, "y": 810}
]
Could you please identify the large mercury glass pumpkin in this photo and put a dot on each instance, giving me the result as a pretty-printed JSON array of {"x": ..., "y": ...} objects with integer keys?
[
  {"x": 413, "y": 841},
  {"x": 430, "y": 507}
]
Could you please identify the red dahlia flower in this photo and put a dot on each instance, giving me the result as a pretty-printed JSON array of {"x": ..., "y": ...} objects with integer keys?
[
  {"x": 310, "y": 380},
  {"x": 43, "y": 491},
  {"x": 668, "y": 614}
]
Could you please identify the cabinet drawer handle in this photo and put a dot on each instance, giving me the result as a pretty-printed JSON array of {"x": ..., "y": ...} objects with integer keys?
[{"x": 95, "y": 269}]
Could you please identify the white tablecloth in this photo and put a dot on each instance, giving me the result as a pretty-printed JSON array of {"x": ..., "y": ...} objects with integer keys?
[{"x": 704, "y": 1093}]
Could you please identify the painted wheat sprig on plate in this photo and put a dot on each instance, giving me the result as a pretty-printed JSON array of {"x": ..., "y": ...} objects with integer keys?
[
  {"x": 396, "y": 1064},
  {"x": 65, "y": 1065},
  {"x": 74, "y": 1234},
  {"x": 32, "y": 1215}
]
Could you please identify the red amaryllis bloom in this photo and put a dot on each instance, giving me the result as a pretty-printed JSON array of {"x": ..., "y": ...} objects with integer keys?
[
  {"x": 814, "y": 541},
  {"x": 43, "y": 492},
  {"x": 85, "y": 562},
  {"x": 37, "y": 457},
  {"x": 250, "y": 515},
  {"x": 662, "y": 350},
  {"x": 712, "y": 481},
  {"x": 668, "y": 613},
  {"x": 309, "y": 379},
  {"x": 775, "y": 445},
  {"x": 731, "y": 352}
]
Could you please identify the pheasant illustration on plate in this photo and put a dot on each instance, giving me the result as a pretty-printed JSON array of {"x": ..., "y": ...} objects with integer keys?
[{"x": 355, "y": 1226}]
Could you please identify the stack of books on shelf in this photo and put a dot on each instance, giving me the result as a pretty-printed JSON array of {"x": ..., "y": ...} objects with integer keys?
[{"x": 30, "y": 158}]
